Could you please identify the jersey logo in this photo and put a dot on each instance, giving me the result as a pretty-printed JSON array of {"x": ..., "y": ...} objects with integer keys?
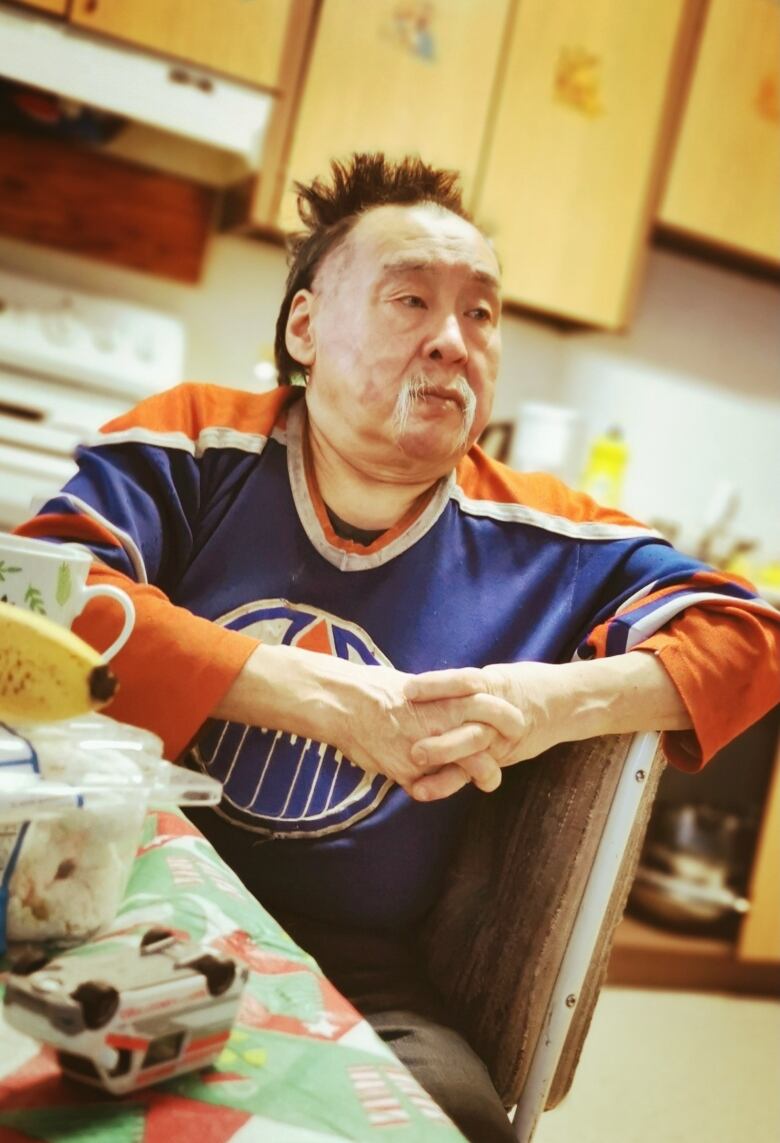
[{"x": 278, "y": 783}]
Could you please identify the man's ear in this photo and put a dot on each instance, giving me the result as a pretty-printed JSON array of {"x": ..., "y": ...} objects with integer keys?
[{"x": 299, "y": 335}]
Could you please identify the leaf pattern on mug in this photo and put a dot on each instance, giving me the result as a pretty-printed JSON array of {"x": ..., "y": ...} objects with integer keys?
[
  {"x": 5, "y": 570},
  {"x": 64, "y": 585},
  {"x": 34, "y": 600}
]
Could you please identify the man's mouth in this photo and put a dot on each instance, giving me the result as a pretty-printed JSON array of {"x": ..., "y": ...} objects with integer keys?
[
  {"x": 442, "y": 394},
  {"x": 453, "y": 395}
]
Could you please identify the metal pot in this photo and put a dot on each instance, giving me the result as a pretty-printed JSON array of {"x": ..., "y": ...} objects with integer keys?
[{"x": 693, "y": 867}]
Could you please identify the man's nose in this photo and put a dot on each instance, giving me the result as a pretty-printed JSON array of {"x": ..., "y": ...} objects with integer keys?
[{"x": 446, "y": 341}]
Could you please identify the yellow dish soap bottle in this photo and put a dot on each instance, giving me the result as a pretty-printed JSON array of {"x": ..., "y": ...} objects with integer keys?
[{"x": 605, "y": 468}]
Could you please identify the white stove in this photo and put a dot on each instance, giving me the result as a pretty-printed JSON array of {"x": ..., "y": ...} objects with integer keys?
[{"x": 69, "y": 362}]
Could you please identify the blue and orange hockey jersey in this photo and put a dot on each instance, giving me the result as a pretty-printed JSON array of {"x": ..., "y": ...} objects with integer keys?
[{"x": 199, "y": 502}]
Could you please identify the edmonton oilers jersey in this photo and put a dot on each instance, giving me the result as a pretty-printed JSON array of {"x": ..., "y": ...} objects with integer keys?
[
  {"x": 294, "y": 785},
  {"x": 213, "y": 503}
]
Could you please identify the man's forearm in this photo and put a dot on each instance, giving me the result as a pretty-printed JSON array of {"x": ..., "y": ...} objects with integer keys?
[
  {"x": 616, "y": 695},
  {"x": 360, "y": 710},
  {"x": 492, "y": 717},
  {"x": 537, "y": 706},
  {"x": 283, "y": 688}
]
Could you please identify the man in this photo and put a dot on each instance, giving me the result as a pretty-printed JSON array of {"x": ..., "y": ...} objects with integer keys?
[{"x": 470, "y": 617}]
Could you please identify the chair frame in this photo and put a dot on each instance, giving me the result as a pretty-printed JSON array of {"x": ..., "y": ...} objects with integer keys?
[
  {"x": 518, "y": 943},
  {"x": 605, "y": 872}
]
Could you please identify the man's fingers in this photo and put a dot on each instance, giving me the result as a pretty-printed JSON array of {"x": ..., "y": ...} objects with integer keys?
[
  {"x": 482, "y": 770},
  {"x": 442, "y": 784},
  {"x": 461, "y": 742},
  {"x": 497, "y": 712},
  {"x": 432, "y": 685}
]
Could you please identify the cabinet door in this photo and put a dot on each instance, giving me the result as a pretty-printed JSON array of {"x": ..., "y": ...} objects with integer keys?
[
  {"x": 403, "y": 78},
  {"x": 725, "y": 178},
  {"x": 80, "y": 200},
  {"x": 572, "y": 173},
  {"x": 759, "y": 937},
  {"x": 241, "y": 39}
]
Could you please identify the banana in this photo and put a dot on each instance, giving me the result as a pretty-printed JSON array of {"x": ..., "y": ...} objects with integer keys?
[{"x": 46, "y": 672}]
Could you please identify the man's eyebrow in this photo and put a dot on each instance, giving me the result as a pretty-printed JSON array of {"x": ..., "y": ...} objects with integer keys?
[
  {"x": 395, "y": 267},
  {"x": 488, "y": 279}
]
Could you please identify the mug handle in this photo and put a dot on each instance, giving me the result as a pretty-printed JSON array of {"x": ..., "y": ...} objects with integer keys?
[{"x": 126, "y": 602}]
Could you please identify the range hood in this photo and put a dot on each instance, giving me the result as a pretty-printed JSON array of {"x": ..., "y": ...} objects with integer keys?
[{"x": 187, "y": 100}]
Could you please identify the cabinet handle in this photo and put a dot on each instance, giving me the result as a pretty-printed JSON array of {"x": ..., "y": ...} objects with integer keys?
[{"x": 182, "y": 76}]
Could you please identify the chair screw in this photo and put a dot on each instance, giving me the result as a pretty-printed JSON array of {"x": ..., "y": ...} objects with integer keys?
[
  {"x": 640, "y": 775},
  {"x": 571, "y": 1000}
]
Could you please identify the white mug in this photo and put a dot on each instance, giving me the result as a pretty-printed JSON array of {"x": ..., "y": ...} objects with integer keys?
[{"x": 51, "y": 579}]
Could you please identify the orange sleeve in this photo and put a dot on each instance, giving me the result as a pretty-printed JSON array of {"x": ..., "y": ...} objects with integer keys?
[
  {"x": 175, "y": 667},
  {"x": 725, "y": 663}
]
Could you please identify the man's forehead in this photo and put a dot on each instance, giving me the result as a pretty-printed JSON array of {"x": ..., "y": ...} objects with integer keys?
[{"x": 402, "y": 239}]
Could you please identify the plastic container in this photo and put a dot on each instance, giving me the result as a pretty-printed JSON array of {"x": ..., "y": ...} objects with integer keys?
[
  {"x": 548, "y": 438},
  {"x": 73, "y": 796}
]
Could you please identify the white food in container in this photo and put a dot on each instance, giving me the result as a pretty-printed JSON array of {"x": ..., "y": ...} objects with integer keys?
[
  {"x": 73, "y": 796},
  {"x": 71, "y": 874}
]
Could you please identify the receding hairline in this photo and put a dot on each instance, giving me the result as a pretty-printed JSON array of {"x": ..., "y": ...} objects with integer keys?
[
  {"x": 411, "y": 263},
  {"x": 334, "y": 260}
]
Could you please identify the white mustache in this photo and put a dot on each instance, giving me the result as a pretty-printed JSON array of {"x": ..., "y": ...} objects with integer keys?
[{"x": 419, "y": 386}]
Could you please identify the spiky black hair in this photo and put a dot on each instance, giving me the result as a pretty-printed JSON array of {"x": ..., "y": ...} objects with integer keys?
[{"x": 328, "y": 212}]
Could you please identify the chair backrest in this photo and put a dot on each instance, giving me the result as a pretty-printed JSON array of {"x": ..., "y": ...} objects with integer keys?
[{"x": 498, "y": 937}]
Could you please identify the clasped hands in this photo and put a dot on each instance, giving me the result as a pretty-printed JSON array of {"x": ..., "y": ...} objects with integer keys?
[
  {"x": 435, "y": 732},
  {"x": 432, "y": 733}
]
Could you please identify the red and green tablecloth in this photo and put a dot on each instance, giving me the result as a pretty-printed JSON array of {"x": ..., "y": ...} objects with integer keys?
[{"x": 301, "y": 1066}]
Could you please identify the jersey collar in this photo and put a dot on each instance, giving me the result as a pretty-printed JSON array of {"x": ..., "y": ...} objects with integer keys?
[{"x": 341, "y": 553}]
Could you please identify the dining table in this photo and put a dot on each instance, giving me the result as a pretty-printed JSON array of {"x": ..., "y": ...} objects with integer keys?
[{"x": 300, "y": 1065}]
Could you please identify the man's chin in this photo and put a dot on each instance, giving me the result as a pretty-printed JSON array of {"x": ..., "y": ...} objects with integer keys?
[{"x": 434, "y": 449}]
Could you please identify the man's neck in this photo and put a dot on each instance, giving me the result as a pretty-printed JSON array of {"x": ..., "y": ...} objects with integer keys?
[
  {"x": 365, "y": 501},
  {"x": 363, "y": 536}
]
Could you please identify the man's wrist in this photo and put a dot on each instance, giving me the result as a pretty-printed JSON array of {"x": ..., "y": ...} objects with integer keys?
[
  {"x": 616, "y": 695},
  {"x": 626, "y": 693},
  {"x": 284, "y": 688}
]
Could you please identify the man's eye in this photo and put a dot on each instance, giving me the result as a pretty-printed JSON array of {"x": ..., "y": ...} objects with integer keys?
[
  {"x": 481, "y": 313},
  {"x": 413, "y": 301}
]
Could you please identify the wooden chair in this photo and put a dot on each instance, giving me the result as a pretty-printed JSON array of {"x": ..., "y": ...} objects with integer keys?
[{"x": 519, "y": 941}]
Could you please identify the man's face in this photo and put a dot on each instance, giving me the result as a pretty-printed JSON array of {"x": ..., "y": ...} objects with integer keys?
[{"x": 403, "y": 343}]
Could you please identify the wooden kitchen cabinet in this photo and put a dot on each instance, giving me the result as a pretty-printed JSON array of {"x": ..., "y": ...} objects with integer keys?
[
  {"x": 400, "y": 78},
  {"x": 571, "y": 178},
  {"x": 724, "y": 183},
  {"x": 240, "y": 39},
  {"x": 759, "y": 935},
  {"x": 80, "y": 200}
]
